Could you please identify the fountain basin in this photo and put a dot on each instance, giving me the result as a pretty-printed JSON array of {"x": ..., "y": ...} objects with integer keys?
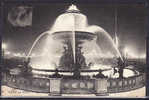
[{"x": 81, "y": 35}]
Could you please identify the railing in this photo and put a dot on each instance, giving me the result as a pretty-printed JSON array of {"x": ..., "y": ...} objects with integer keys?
[
  {"x": 27, "y": 83},
  {"x": 37, "y": 84},
  {"x": 126, "y": 84}
]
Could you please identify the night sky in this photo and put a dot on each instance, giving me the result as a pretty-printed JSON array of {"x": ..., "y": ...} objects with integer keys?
[{"x": 131, "y": 30}]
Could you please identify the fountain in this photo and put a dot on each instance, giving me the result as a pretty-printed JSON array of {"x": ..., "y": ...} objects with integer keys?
[
  {"x": 72, "y": 28},
  {"x": 74, "y": 52}
]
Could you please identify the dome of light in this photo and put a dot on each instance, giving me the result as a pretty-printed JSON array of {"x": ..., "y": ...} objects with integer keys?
[
  {"x": 72, "y": 32},
  {"x": 72, "y": 19}
]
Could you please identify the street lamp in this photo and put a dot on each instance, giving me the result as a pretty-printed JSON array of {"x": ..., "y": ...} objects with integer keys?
[
  {"x": 126, "y": 52},
  {"x": 4, "y": 46}
]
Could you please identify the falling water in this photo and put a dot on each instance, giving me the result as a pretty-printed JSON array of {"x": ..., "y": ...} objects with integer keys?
[
  {"x": 104, "y": 38},
  {"x": 67, "y": 24},
  {"x": 99, "y": 32},
  {"x": 74, "y": 39},
  {"x": 114, "y": 45},
  {"x": 35, "y": 42}
]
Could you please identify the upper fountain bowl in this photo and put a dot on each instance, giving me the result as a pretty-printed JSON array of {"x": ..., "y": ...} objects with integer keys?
[{"x": 71, "y": 20}]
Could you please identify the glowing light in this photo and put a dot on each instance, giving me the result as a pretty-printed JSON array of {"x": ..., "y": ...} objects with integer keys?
[
  {"x": 126, "y": 50},
  {"x": 4, "y": 46},
  {"x": 143, "y": 56},
  {"x": 130, "y": 53},
  {"x": 7, "y": 53},
  {"x": 33, "y": 54},
  {"x": 73, "y": 8},
  {"x": 65, "y": 22},
  {"x": 17, "y": 54},
  {"x": 23, "y": 54},
  {"x": 73, "y": 23}
]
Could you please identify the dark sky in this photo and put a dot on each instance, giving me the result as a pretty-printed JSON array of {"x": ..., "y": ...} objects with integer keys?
[{"x": 132, "y": 21}]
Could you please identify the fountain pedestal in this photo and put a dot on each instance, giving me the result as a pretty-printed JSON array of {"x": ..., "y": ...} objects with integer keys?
[
  {"x": 101, "y": 85},
  {"x": 55, "y": 86}
]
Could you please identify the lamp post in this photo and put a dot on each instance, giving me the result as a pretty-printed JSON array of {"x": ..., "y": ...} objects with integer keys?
[
  {"x": 126, "y": 53},
  {"x": 4, "y": 46}
]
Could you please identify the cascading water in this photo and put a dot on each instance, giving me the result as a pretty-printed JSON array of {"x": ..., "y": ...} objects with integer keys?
[
  {"x": 73, "y": 27},
  {"x": 73, "y": 40},
  {"x": 35, "y": 42},
  {"x": 103, "y": 39}
]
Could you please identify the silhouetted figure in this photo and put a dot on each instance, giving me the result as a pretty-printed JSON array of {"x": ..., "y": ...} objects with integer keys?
[
  {"x": 100, "y": 75},
  {"x": 76, "y": 72},
  {"x": 120, "y": 72},
  {"x": 135, "y": 72},
  {"x": 26, "y": 65},
  {"x": 121, "y": 65},
  {"x": 90, "y": 64},
  {"x": 80, "y": 59},
  {"x": 27, "y": 69},
  {"x": 115, "y": 70},
  {"x": 56, "y": 74},
  {"x": 66, "y": 59}
]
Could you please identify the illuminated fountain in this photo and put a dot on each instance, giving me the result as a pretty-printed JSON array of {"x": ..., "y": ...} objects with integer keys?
[
  {"x": 86, "y": 51},
  {"x": 72, "y": 42}
]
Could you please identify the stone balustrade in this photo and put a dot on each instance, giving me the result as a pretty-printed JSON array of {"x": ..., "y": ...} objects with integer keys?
[{"x": 44, "y": 85}]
